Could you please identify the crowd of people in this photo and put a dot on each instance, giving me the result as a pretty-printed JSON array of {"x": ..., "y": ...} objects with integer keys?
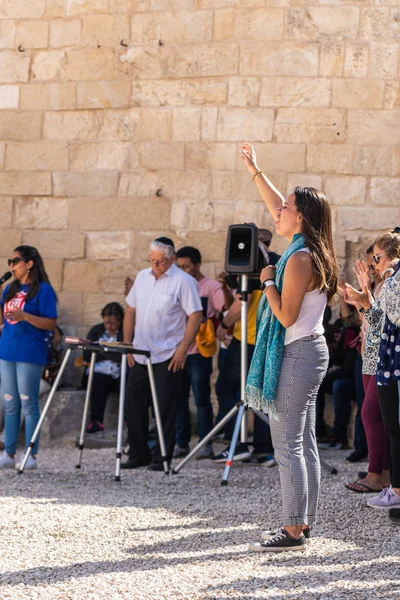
[{"x": 297, "y": 354}]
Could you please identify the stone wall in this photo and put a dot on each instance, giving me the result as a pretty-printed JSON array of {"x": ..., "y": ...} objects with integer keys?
[{"x": 121, "y": 119}]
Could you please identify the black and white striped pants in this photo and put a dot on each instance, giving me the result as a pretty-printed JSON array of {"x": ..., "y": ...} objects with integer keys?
[{"x": 304, "y": 366}]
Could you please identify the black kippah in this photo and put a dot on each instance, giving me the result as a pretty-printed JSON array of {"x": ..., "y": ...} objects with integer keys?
[{"x": 166, "y": 241}]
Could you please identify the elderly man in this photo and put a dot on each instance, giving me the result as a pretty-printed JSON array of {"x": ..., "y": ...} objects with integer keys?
[{"x": 164, "y": 313}]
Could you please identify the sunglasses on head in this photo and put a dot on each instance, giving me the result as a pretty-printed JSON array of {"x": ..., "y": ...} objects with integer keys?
[
  {"x": 15, "y": 261},
  {"x": 377, "y": 257}
]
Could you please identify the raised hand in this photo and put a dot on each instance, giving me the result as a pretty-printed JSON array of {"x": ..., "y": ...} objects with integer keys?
[
  {"x": 362, "y": 273},
  {"x": 249, "y": 156}
]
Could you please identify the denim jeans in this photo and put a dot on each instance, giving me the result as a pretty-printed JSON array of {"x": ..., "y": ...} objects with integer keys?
[
  {"x": 343, "y": 392},
  {"x": 20, "y": 384},
  {"x": 198, "y": 371}
]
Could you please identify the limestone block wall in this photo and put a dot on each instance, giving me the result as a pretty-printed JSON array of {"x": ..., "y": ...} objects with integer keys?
[{"x": 121, "y": 120}]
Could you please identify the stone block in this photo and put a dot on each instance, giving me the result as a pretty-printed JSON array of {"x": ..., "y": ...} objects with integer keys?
[
  {"x": 251, "y": 212},
  {"x": 82, "y": 7},
  {"x": 99, "y": 155},
  {"x": 378, "y": 128},
  {"x": 118, "y": 125},
  {"x": 65, "y": 33},
  {"x": 325, "y": 125},
  {"x": 32, "y": 34},
  {"x": 155, "y": 125},
  {"x": 49, "y": 65},
  {"x": 41, "y": 213},
  {"x": 70, "y": 307},
  {"x": 303, "y": 180},
  {"x": 316, "y": 22},
  {"x": 383, "y": 60},
  {"x": 219, "y": 157},
  {"x": 226, "y": 185},
  {"x": 9, "y": 239},
  {"x": 332, "y": 59},
  {"x": 14, "y": 67},
  {"x": 2, "y": 154},
  {"x": 350, "y": 219},
  {"x": 296, "y": 91},
  {"x": 330, "y": 158},
  {"x": 103, "y": 94},
  {"x": 36, "y": 156},
  {"x": 209, "y": 121},
  {"x": 119, "y": 214},
  {"x": 356, "y": 93},
  {"x": 108, "y": 245},
  {"x": 54, "y": 268},
  {"x": 244, "y": 91},
  {"x": 279, "y": 59},
  {"x": 20, "y": 9},
  {"x": 25, "y": 183},
  {"x": 278, "y": 157},
  {"x": 186, "y": 124},
  {"x": 206, "y": 91},
  {"x": 19, "y": 125},
  {"x": 6, "y": 211},
  {"x": 56, "y": 244},
  {"x": 346, "y": 191},
  {"x": 154, "y": 156},
  {"x": 374, "y": 23},
  {"x": 141, "y": 63},
  {"x": 83, "y": 275},
  {"x": 105, "y": 29},
  {"x": 211, "y": 245},
  {"x": 48, "y": 96},
  {"x": 94, "y": 303},
  {"x": 237, "y": 124},
  {"x": 85, "y": 183},
  {"x": 196, "y": 216},
  {"x": 223, "y": 215},
  {"x": 377, "y": 160},
  {"x": 88, "y": 64},
  {"x": 201, "y": 60},
  {"x": 71, "y": 125},
  {"x": 139, "y": 184},
  {"x": 385, "y": 191},
  {"x": 185, "y": 185},
  {"x": 7, "y": 34},
  {"x": 224, "y": 21},
  {"x": 392, "y": 95},
  {"x": 356, "y": 60},
  {"x": 261, "y": 23},
  {"x": 145, "y": 28},
  {"x": 186, "y": 26},
  {"x": 151, "y": 93},
  {"x": 9, "y": 97},
  {"x": 56, "y": 9},
  {"x": 179, "y": 216}
]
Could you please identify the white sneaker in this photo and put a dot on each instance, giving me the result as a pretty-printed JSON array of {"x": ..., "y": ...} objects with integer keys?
[
  {"x": 6, "y": 462},
  {"x": 31, "y": 463}
]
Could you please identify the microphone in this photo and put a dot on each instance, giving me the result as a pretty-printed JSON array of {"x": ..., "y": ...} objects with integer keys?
[{"x": 5, "y": 277}]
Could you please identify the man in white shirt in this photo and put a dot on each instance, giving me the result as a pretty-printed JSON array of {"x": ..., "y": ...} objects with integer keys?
[{"x": 164, "y": 313}]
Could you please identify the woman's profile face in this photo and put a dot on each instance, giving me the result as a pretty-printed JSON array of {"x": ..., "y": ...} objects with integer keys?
[
  {"x": 20, "y": 270},
  {"x": 111, "y": 324},
  {"x": 383, "y": 259},
  {"x": 287, "y": 221}
]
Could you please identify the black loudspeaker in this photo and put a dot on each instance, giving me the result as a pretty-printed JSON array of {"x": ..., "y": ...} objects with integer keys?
[{"x": 242, "y": 254}]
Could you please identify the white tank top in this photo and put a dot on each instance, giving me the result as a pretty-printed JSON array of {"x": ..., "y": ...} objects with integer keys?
[{"x": 309, "y": 321}]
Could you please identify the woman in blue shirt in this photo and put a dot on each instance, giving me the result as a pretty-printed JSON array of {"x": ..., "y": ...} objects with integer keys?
[{"x": 28, "y": 311}]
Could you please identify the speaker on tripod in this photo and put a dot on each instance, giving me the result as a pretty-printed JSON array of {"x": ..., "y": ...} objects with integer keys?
[{"x": 244, "y": 253}]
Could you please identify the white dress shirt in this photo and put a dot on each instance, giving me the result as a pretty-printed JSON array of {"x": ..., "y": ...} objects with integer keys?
[{"x": 162, "y": 307}]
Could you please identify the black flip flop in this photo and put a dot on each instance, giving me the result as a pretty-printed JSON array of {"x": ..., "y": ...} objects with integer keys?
[{"x": 366, "y": 490}]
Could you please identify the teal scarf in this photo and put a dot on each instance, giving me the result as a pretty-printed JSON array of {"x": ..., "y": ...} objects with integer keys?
[{"x": 262, "y": 380}]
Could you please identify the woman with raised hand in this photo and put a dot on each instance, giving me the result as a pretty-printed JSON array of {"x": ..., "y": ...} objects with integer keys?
[
  {"x": 291, "y": 356},
  {"x": 29, "y": 312}
]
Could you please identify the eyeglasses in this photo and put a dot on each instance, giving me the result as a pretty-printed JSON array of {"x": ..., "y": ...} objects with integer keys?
[
  {"x": 377, "y": 257},
  {"x": 15, "y": 261},
  {"x": 158, "y": 263}
]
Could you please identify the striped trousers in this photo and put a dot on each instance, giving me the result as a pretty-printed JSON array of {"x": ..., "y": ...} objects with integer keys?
[{"x": 304, "y": 366}]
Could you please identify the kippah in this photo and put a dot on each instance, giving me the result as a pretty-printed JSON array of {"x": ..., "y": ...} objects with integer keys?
[{"x": 166, "y": 241}]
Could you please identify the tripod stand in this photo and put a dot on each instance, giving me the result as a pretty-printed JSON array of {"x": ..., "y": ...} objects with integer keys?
[{"x": 95, "y": 348}]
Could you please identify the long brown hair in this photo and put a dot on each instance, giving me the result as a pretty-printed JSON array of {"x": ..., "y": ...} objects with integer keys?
[
  {"x": 317, "y": 231},
  {"x": 37, "y": 273}
]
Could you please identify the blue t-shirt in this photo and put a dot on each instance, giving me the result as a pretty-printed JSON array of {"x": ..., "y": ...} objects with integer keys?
[{"x": 21, "y": 341}]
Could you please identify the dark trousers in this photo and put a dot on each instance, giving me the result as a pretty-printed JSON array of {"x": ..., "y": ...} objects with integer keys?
[
  {"x": 228, "y": 393},
  {"x": 102, "y": 384},
  {"x": 388, "y": 396},
  {"x": 360, "y": 441},
  {"x": 138, "y": 401},
  {"x": 198, "y": 370},
  {"x": 343, "y": 392}
]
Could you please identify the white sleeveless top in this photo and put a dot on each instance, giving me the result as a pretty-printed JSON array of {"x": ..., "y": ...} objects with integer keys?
[{"x": 309, "y": 321}]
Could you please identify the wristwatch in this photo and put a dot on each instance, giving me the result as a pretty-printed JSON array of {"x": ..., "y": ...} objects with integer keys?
[
  {"x": 265, "y": 284},
  {"x": 224, "y": 326}
]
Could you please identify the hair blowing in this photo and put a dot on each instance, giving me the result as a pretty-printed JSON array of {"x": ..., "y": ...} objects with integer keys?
[
  {"x": 389, "y": 241},
  {"x": 37, "y": 273},
  {"x": 317, "y": 231}
]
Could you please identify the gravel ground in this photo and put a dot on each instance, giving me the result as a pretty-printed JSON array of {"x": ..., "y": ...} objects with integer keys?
[{"x": 70, "y": 535}]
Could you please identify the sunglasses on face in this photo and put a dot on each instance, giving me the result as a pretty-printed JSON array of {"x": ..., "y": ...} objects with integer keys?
[
  {"x": 15, "y": 261},
  {"x": 377, "y": 257}
]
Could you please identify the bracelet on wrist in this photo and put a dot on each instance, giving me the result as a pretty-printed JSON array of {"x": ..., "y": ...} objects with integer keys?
[
  {"x": 224, "y": 326},
  {"x": 259, "y": 172},
  {"x": 267, "y": 283}
]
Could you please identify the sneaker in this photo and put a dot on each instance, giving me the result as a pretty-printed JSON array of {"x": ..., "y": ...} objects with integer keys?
[
  {"x": 267, "y": 534},
  {"x": 356, "y": 456},
  {"x": 334, "y": 444},
  {"x": 180, "y": 452},
  {"x": 205, "y": 452},
  {"x": 256, "y": 458},
  {"x": 6, "y": 462},
  {"x": 241, "y": 453},
  {"x": 280, "y": 542},
  {"x": 31, "y": 463},
  {"x": 394, "y": 516},
  {"x": 94, "y": 427},
  {"x": 386, "y": 499}
]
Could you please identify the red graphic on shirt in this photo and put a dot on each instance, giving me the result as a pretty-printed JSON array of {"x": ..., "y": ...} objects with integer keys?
[{"x": 16, "y": 303}]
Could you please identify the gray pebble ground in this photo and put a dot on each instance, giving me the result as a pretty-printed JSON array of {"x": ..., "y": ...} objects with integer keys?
[{"x": 69, "y": 535}]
